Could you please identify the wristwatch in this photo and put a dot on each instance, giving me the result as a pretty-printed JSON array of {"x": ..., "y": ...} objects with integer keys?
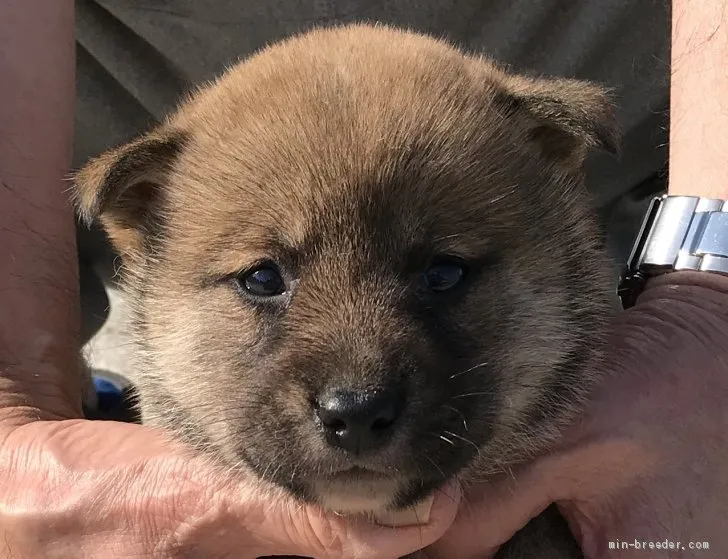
[{"x": 678, "y": 233}]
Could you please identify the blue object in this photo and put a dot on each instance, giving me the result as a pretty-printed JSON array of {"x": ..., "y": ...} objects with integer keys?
[{"x": 109, "y": 393}]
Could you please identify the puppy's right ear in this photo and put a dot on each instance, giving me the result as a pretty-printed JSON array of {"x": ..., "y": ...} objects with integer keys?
[{"x": 123, "y": 187}]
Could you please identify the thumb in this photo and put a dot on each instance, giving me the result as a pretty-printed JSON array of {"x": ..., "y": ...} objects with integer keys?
[
  {"x": 311, "y": 532},
  {"x": 491, "y": 513}
]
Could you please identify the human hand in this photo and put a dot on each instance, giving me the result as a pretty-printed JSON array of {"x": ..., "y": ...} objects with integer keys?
[
  {"x": 81, "y": 489},
  {"x": 648, "y": 462}
]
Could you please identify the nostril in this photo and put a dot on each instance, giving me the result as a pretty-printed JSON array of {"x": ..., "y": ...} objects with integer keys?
[
  {"x": 388, "y": 413},
  {"x": 382, "y": 423},
  {"x": 330, "y": 417}
]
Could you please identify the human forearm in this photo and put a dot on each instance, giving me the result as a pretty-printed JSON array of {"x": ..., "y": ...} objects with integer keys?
[
  {"x": 38, "y": 270},
  {"x": 699, "y": 99}
]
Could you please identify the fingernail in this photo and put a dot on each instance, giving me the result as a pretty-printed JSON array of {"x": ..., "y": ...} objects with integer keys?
[{"x": 413, "y": 516}]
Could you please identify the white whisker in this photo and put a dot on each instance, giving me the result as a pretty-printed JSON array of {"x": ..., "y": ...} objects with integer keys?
[{"x": 473, "y": 368}]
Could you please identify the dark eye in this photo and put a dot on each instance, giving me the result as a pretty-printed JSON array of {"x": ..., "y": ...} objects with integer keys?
[
  {"x": 444, "y": 275},
  {"x": 264, "y": 281}
]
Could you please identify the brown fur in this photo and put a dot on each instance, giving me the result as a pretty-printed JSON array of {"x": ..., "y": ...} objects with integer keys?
[{"x": 352, "y": 157}]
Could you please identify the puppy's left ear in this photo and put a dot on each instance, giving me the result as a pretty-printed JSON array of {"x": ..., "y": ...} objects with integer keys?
[
  {"x": 568, "y": 117},
  {"x": 123, "y": 188}
]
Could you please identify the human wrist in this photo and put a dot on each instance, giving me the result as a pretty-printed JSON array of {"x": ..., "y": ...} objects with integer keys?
[
  {"x": 45, "y": 388},
  {"x": 39, "y": 284},
  {"x": 692, "y": 304},
  {"x": 695, "y": 286},
  {"x": 698, "y": 90}
]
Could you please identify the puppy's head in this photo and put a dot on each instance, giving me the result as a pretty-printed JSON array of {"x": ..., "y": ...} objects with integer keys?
[{"x": 362, "y": 262}]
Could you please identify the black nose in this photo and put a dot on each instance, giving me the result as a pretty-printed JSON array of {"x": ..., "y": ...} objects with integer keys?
[{"x": 358, "y": 421}]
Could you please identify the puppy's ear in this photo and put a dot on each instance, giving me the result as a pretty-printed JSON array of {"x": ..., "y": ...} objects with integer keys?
[
  {"x": 122, "y": 188},
  {"x": 567, "y": 117}
]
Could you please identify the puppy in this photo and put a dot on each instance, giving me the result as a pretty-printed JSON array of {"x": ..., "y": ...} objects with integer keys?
[{"x": 362, "y": 263}]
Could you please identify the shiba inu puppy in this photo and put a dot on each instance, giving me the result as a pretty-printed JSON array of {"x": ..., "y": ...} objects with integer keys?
[{"x": 363, "y": 262}]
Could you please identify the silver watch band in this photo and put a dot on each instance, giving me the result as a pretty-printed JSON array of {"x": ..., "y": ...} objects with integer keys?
[
  {"x": 688, "y": 233},
  {"x": 678, "y": 233}
]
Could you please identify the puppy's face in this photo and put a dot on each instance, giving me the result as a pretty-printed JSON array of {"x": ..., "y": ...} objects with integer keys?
[{"x": 361, "y": 263}]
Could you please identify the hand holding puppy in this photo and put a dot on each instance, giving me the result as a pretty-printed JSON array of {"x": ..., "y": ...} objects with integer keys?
[{"x": 85, "y": 489}]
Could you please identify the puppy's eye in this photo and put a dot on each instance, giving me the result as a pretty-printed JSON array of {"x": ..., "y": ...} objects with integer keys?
[
  {"x": 444, "y": 275},
  {"x": 264, "y": 281}
]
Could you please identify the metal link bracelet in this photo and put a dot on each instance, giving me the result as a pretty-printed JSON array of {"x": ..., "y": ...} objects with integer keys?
[{"x": 678, "y": 233}]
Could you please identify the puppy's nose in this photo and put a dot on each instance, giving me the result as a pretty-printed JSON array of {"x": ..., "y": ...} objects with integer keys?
[{"x": 358, "y": 421}]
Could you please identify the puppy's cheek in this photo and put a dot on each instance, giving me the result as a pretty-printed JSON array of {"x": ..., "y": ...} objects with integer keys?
[
  {"x": 535, "y": 339},
  {"x": 198, "y": 352}
]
